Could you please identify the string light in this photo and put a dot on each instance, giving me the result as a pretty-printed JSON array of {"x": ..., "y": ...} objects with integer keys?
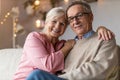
[
  {"x": 1, "y": 22},
  {"x": 14, "y": 13},
  {"x": 5, "y": 18},
  {"x": 8, "y": 13},
  {"x": 37, "y": 23}
]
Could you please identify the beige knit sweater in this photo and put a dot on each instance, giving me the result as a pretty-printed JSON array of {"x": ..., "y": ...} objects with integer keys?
[{"x": 92, "y": 59}]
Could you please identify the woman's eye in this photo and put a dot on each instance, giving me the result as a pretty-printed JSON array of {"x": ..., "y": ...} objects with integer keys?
[
  {"x": 63, "y": 24},
  {"x": 54, "y": 21}
]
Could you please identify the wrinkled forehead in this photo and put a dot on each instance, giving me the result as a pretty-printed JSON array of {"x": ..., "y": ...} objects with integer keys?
[{"x": 74, "y": 10}]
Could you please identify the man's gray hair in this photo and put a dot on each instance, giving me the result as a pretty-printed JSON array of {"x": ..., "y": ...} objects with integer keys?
[{"x": 83, "y": 3}]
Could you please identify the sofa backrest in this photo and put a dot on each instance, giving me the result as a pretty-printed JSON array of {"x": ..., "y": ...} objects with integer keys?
[
  {"x": 9, "y": 60},
  {"x": 119, "y": 60}
]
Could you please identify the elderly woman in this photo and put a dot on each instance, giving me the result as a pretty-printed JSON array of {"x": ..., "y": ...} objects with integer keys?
[{"x": 44, "y": 51}]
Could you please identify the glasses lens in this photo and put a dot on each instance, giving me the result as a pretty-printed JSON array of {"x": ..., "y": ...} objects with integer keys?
[{"x": 78, "y": 16}]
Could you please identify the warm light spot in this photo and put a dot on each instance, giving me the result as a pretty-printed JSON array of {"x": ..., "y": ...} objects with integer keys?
[
  {"x": 66, "y": 1},
  {"x": 8, "y": 13},
  {"x": 38, "y": 23},
  {"x": 37, "y": 2},
  {"x": 6, "y": 16},
  {"x": 15, "y": 35},
  {"x": 1, "y": 22}
]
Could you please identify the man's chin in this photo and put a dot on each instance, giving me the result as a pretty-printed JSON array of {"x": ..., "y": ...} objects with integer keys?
[{"x": 80, "y": 33}]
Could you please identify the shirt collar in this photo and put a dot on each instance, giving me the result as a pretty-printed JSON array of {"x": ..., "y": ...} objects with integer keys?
[{"x": 87, "y": 35}]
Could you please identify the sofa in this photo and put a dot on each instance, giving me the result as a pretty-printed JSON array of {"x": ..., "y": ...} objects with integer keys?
[{"x": 9, "y": 60}]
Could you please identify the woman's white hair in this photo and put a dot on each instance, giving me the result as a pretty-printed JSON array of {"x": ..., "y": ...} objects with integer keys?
[
  {"x": 52, "y": 14},
  {"x": 55, "y": 12}
]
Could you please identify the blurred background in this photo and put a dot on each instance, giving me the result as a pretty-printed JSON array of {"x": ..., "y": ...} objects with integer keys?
[{"x": 20, "y": 17}]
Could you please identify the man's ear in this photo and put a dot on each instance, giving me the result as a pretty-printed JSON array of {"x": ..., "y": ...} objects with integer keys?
[{"x": 91, "y": 17}]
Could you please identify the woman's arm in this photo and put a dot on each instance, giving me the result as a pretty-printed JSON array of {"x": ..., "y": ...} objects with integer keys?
[
  {"x": 42, "y": 58},
  {"x": 67, "y": 46}
]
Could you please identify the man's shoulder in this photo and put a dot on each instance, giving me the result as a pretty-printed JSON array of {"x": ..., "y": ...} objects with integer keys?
[{"x": 94, "y": 39}]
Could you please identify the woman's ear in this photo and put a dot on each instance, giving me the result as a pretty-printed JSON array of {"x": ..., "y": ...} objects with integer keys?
[{"x": 45, "y": 22}]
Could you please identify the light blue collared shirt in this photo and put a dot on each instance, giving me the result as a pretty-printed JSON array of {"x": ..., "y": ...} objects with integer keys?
[{"x": 87, "y": 35}]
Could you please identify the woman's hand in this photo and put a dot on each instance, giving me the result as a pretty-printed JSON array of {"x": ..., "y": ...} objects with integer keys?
[
  {"x": 68, "y": 46},
  {"x": 104, "y": 33},
  {"x": 69, "y": 43}
]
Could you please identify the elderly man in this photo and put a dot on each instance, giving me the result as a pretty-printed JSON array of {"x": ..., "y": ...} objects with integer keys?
[{"x": 90, "y": 58}]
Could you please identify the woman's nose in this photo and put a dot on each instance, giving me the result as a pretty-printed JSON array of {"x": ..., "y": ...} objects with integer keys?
[{"x": 57, "y": 25}]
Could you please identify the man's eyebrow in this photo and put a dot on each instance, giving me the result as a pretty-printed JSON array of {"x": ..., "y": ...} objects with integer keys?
[{"x": 76, "y": 14}]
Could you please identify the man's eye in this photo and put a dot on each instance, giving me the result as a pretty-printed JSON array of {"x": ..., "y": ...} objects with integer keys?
[
  {"x": 80, "y": 15},
  {"x": 70, "y": 18}
]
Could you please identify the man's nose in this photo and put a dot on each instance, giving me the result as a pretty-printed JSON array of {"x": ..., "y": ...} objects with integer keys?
[{"x": 75, "y": 20}]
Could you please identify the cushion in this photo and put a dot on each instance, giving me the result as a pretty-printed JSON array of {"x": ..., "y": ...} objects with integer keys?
[{"x": 9, "y": 59}]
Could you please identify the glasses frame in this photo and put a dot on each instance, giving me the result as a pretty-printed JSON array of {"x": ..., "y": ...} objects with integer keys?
[{"x": 78, "y": 16}]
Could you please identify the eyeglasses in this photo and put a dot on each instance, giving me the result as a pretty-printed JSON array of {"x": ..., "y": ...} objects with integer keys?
[{"x": 78, "y": 16}]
